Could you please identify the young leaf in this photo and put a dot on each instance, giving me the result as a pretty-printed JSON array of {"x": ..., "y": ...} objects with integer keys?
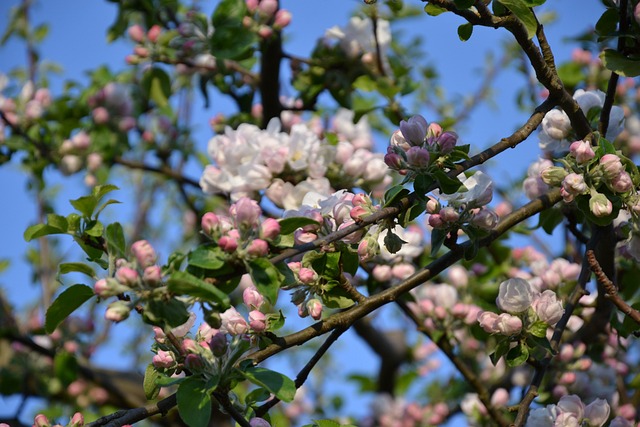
[
  {"x": 66, "y": 303},
  {"x": 521, "y": 9},
  {"x": 207, "y": 257},
  {"x": 266, "y": 277},
  {"x": 465, "y": 31},
  {"x": 149, "y": 384},
  {"x": 280, "y": 385},
  {"x": 76, "y": 267},
  {"x": 289, "y": 225},
  {"x": 615, "y": 61},
  {"x": 194, "y": 402},
  {"x": 115, "y": 240},
  {"x": 183, "y": 283}
]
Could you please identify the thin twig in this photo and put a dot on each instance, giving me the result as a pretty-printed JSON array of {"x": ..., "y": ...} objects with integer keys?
[
  {"x": 304, "y": 372},
  {"x": 611, "y": 288}
]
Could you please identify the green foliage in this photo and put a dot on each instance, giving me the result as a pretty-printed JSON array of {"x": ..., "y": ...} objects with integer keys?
[
  {"x": 149, "y": 384},
  {"x": 291, "y": 224},
  {"x": 266, "y": 277},
  {"x": 231, "y": 39},
  {"x": 623, "y": 65},
  {"x": 521, "y": 9},
  {"x": 66, "y": 303},
  {"x": 280, "y": 385},
  {"x": 183, "y": 283},
  {"x": 194, "y": 401}
]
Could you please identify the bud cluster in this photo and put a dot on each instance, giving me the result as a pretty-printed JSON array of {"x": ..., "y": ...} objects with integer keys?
[
  {"x": 417, "y": 146},
  {"x": 242, "y": 234},
  {"x": 522, "y": 307},
  {"x": 264, "y": 16},
  {"x": 140, "y": 274}
]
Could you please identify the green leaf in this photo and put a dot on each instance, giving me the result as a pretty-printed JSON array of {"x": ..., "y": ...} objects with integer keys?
[
  {"x": 394, "y": 194},
  {"x": 183, "y": 283},
  {"x": 434, "y": 10},
  {"x": 438, "y": 236},
  {"x": 105, "y": 204},
  {"x": 447, "y": 184},
  {"x": 615, "y": 61},
  {"x": 350, "y": 261},
  {"x": 65, "y": 367},
  {"x": 94, "y": 228},
  {"x": 608, "y": 22},
  {"x": 208, "y": 257},
  {"x": 115, "y": 240},
  {"x": 539, "y": 329},
  {"x": 549, "y": 219},
  {"x": 169, "y": 313},
  {"x": 149, "y": 384},
  {"x": 280, "y": 385},
  {"x": 85, "y": 205},
  {"x": 156, "y": 85},
  {"x": 571, "y": 73},
  {"x": 517, "y": 355},
  {"x": 165, "y": 381},
  {"x": 40, "y": 230},
  {"x": 289, "y": 225},
  {"x": 521, "y": 9},
  {"x": 502, "y": 348},
  {"x": 231, "y": 39},
  {"x": 77, "y": 267},
  {"x": 365, "y": 83},
  {"x": 99, "y": 191},
  {"x": 194, "y": 402},
  {"x": 337, "y": 297},
  {"x": 266, "y": 277},
  {"x": 66, "y": 303}
]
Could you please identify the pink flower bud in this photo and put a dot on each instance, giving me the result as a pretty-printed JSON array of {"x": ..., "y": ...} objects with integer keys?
[
  {"x": 359, "y": 213},
  {"x": 433, "y": 132},
  {"x": 368, "y": 248},
  {"x": 414, "y": 129},
  {"x": 258, "y": 248},
  {"x": 194, "y": 362},
  {"x": 218, "y": 344},
  {"x": 252, "y": 5},
  {"x": 449, "y": 214},
  {"x": 246, "y": 212},
  {"x": 447, "y": 141},
  {"x": 117, "y": 311},
  {"x": 265, "y": 32},
  {"x": 487, "y": 321},
  {"x": 394, "y": 161},
  {"x": 548, "y": 307},
  {"x": 283, "y": 18},
  {"x": 257, "y": 321},
  {"x": 228, "y": 244},
  {"x": 574, "y": 184},
  {"x": 189, "y": 346},
  {"x": 307, "y": 275},
  {"x": 622, "y": 183},
  {"x": 611, "y": 166},
  {"x": 233, "y": 323},
  {"x": 314, "y": 307},
  {"x": 77, "y": 420},
  {"x": 127, "y": 276},
  {"x": 100, "y": 115},
  {"x": 41, "y": 421},
  {"x": 126, "y": 124},
  {"x": 508, "y": 325},
  {"x": 163, "y": 359},
  {"x": 268, "y": 7},
  {"x": 252, "y": 298},
  {"x": 500, "y": 397},
  {"x": 600, "y": 205},
  {"x": 582, "y": 151},
  {"x": 433, "y": 206},
  {"x": 436, "y": 221},
  {"x": 144, "y": 253},
  {"x": 152, "y": 275},
  {"x": 485, "y": 218},
  {"x": 418, "y": 157},
  {"x": 101, "y": 287},
  {"x": 159, "y": 335},
  {"x": 136, "y": 33},
  {"x": 141, "y": 52},
  {"x": 269, "y": 229},
  {"x": 259, "y": 422},
  {"x": 154, "y": 33}
]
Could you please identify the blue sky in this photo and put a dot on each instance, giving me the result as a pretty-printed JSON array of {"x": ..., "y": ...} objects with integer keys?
[{"x": 77, "y": 41}]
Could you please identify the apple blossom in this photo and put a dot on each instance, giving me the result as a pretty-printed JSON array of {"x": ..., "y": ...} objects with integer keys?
[
  {"x": 600, "y": 205},
  {"x": 144, "y": 253},
  {"x": 164, "y": 359},
  {"x": 582, "y": 151},
  {"x": 414, "y": 129},
  {"x": 548, "y": 307},
  {"x": 515, "y": 296},
  {"x": 233, "y": 323}
]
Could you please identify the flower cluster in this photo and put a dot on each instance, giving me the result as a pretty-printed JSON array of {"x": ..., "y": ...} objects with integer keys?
[
  {"x": 287, "y": 165},
  {"x": 357, "y": 39},
  {"x": 29, "y": 106},
  {"x": 264, "y": 17},
  {"x": 138, "y": 275},
  {"x": 418, "y": 146},
  {"x": 516, "y": 297},
  {"x": 556, "y": 127},
  {"x": 242, "y": 234},
  {"x": 570, "y": 411}
]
